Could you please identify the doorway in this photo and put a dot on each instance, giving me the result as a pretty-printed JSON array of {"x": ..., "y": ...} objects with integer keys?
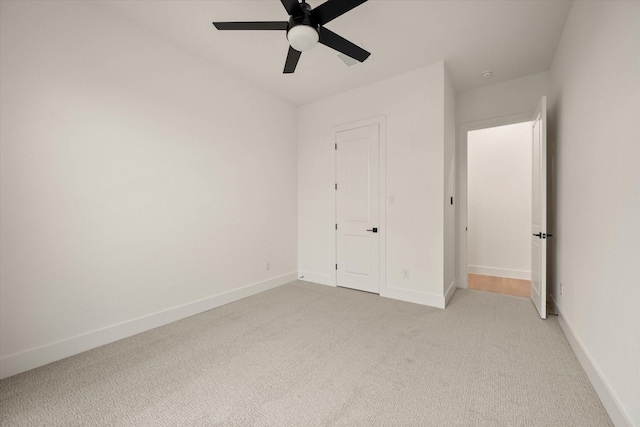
[
  {"x": 499, "y": 209},
  {"x": 495, "y": 187}
]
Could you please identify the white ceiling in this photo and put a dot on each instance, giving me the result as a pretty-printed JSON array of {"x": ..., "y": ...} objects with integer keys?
[{"x": 514, "y": 38}]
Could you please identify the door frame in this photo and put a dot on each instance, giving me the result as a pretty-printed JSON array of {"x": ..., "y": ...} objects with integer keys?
[
  {"x": 462, "y": 163},
  {"x": 381, "y": 121}
]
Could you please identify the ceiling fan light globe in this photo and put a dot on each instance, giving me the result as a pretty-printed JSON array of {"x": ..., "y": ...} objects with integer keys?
[{"x": 302, "y": 37}]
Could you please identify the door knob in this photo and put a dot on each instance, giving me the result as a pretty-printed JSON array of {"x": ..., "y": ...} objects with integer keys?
[
  {"x": 538, "y": 235},
  {"x": 374, "y": 229}
]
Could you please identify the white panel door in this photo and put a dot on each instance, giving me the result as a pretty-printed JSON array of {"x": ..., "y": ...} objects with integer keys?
[
  {"x": 539, "y": 210},
  {"x": 358, "y": 208}
]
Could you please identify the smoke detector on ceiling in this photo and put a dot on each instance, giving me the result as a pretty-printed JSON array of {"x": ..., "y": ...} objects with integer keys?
[{"x": 487, "y": 74}]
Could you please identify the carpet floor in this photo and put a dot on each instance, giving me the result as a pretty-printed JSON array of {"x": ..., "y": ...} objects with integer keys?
[{"x": 311, "y": 355}]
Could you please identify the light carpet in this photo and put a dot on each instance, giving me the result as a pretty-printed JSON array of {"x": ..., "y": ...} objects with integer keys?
[{"x": 311, "y": 355}]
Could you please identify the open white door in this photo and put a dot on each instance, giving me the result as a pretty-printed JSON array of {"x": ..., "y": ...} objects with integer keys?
[{"x": 539, "y": 209}]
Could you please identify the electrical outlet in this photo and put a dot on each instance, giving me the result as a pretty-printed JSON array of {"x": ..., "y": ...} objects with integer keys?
[
  {"x": 405, "y": 273},
  {"x": 267, "y": 266}
]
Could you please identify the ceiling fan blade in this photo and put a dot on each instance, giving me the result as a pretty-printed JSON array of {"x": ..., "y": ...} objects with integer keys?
[
  {"x": 292, "y": 60},
  {"x": 263, "y": 25},
  {"x": 331, "y": 9},
  {"x": 334, "y": 41},
  {"x": 293, "y": 7}
]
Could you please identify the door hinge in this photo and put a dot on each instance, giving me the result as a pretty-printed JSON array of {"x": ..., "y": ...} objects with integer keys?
[
  {"x": 336, "y": 146},
  {"x": 336, "y": 226},
  {"x": 336, "y": 186},
  {"x": 336, "y": 266}
]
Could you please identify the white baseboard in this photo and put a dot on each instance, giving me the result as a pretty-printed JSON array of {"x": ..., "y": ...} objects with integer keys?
[
  {"x": 499, "y": 272},
  {"x": 416, "y": 297},
  {"x": 448, "y": 294},
  {"x": 316, "y": 278},
  {"x": 606, "y": 395},
  {"x": 30, "y": 359},
  {"x": 432, "y": 300}
]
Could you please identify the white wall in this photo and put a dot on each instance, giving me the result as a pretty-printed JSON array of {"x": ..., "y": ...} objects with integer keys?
[
  {"x": 503, "y": 99},
  {"x": 413, "y": 104},
  {"x": 449, "y": 187},
  {"x": 499, "y": 201},
  {"x": 135, "y": 179},
  {"x": 596, "y": 105}
]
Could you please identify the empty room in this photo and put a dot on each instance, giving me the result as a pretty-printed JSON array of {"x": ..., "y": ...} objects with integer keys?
[{"x": 268, "y": 213}]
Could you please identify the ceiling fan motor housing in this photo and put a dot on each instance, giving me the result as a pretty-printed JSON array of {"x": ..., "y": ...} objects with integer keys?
[{"x": 303, "y": 33}]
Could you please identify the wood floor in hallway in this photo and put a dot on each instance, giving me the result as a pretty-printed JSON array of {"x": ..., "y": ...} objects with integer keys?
[{"x": 500, "y": 285}]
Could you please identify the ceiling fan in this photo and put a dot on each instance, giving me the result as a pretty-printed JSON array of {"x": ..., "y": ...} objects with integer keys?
[{"x": 305, "y": 29}]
